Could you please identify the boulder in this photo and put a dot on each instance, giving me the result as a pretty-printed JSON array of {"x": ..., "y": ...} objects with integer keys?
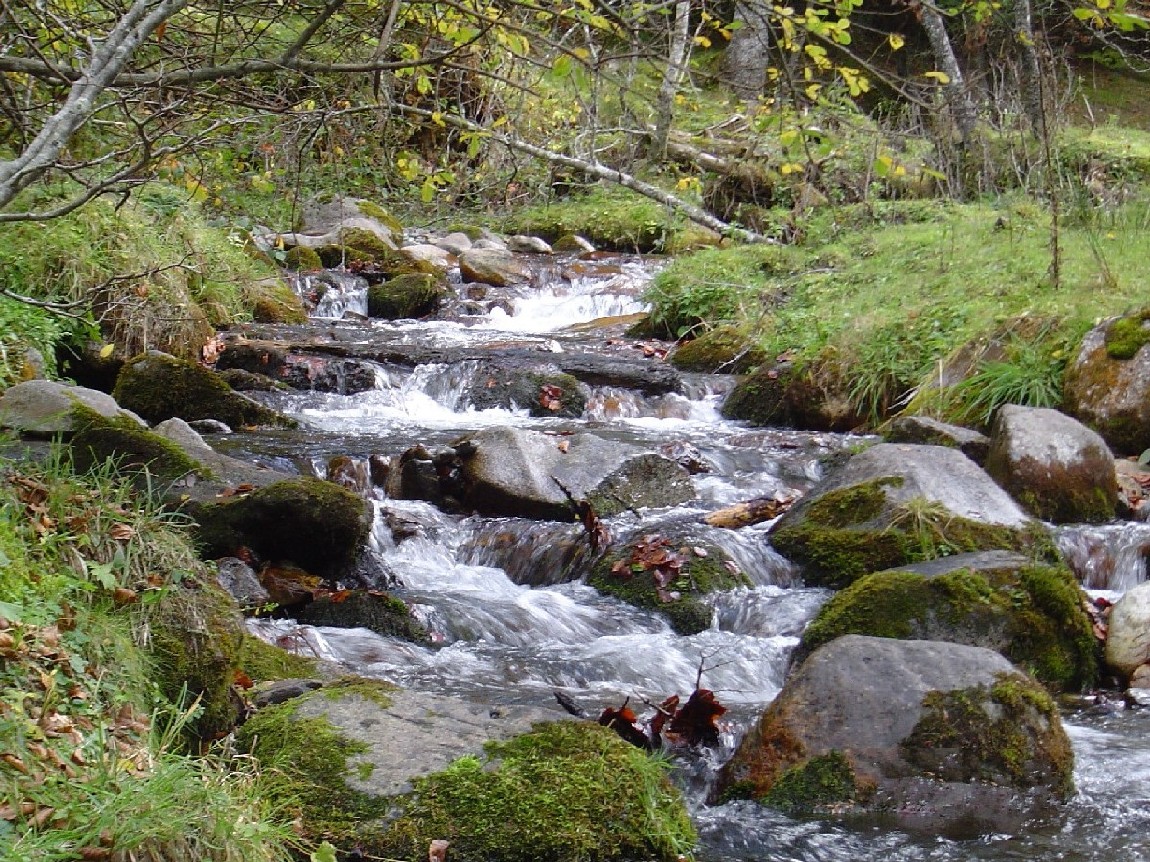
[
  {"x": 241, "y": 582},
  {"x": 897, "y": 503},
  {"x": 455, "y": 243},
  {"x": 509, "y": 471},
  {"x": 942, "y": 736},
  {"x": 814, "y": 397},
  {"x": 724, "y": 349},
  {"x": 43, "y": 407},
  {"x": 349, "y": 609},
  {"x": 1107, "y": 384},
  {"x": 405, "y": 296},
  {"x": 572, "y": 243},
  {"x": 543, "y": 390},
  {"x": 931, "y": 432},
  {"x": 428, "y": 254},
  {"x": 671, "y": 574},
  {"x": 528, "y": 245},
  {"x": 383, "y": 772},
  {"x": 158, "y": 386},
  {"x": 315, "y": 524},
  {"x": 1056, "y": 467},
  {"x": 1128, "y": 635},
  {"x": 493, "y": 266},
  {"x": 1031, "y": 614}
]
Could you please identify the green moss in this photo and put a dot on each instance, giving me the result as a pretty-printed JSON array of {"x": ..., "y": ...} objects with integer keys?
[
  {"x": 366, "y": 243},
  {"x": 725, "y": 348},
  {"x": 303, "y": 259},
  {"x": 884, "y": 604},
  {"x": 1127, "y": 335},
  {"x": 405, "y": 296},
  {"x": 264, "y": 662},
  {"x": 1054, "y": 637},
  {"x": 196, "y": 637},
  {"x": 1008, "y": 733},
  {"x": 158, "y": 387},
  {"x": 855, "y": 504},
  {"x": 311, "y": 759},
  {"x": 372, "y": 690},
  {"x": 315, "y": 524},
  {"x": 381, "y": 613},
  {"x": 567, "y": 791},
  {"x": 471, "y": 231},
  {"x": 375, "y": 211},
  {"x": 97, "y": 439},
  {"x": 687, "y": 612},
  {"x": 760, "y": 398},
  {"x": 335, "y": 255},
  {"x": 813, "y": 785}
]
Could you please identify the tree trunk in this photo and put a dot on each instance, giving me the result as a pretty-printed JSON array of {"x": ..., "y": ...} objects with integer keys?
[
  {"x": 1029, "y": 70},
  {"x": 747, "y": 56},
  {"x": 957, "y": 97},
  {"x": 672, "y": 76}
]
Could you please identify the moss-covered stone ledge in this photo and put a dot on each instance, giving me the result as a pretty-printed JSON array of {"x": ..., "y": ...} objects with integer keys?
[
  {"x": 1031, "y": 614},
  {"x": 633, "y": 572},
  {"x": 388, "y": 771},
  {"x": 894, "y": 504}
]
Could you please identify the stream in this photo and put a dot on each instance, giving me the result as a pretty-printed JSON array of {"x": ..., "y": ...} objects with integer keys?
[{"x": 512, "y": 622}]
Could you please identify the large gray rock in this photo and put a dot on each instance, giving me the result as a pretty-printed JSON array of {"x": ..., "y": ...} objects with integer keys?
[
  {"x": 1111, "y": 393},
  {"x": 225, "y": 471},
  {"x": 897, "y": 503},
  {"x": 931, "y": 432},
  {"x": 509, "y": 471},
  {"x": 942, "y": 736},
  {"x": 1056, "y": 467},
  {"x": 44, "y": 407},
  {"x": 493, "y": 266},
  {"x": 1128, "y": 635}
]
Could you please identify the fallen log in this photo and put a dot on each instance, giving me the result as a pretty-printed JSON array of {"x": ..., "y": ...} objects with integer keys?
[{"x": 749, "y": 512}]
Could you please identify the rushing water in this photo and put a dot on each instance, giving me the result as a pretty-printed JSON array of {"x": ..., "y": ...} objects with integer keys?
[{"x": 511, "y": 621}]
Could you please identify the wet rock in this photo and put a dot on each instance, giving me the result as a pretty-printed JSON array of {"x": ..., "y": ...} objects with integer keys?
[
  {"x": 814, "y": 397},
  {"x": 1128, "y": 636},
  {"x": 542, "y": 390},
  {"x": 931, "y": 432},
  {"x": 351, "y": 473},
  {"x": 241, "y": 582},
  {"x": 1107, "y": 385},
  {"x": 42, "y": 407},
  {"x": 352, "y": 750},
  {"x": 686, "y": 456},
  {"x": 897, "y": 503},
  {"x": 209, "y": 426},
  {"x": 248, "y": 381},
  {"x": 1056, "y": 467},
  {"x": 218, "y": 472},
  {"x": 325, "y": 374},
  {"x": 572, "y": 243},
  {"x": 158, "y": 386},
  {"x": 405, "y": 297},
  {"x": 383, "y": 614},
  {"x": 528, "y": 245},
  {"x": 519, "y": 473},
  {"x": 315, "y": 524},
  {"x": 724, "y": 349},
  {"x": 283, "y": 690},
  {"x": 941, "y": 736},
  {"x": 413, "y": 475},
  {"x": 288, "y": 585},
  {"x": 1031, "y": 614},
  {"x": 492, "y": 266},
  {"x": 429, "y": 254},
  {"x": 455, "y": 243}
]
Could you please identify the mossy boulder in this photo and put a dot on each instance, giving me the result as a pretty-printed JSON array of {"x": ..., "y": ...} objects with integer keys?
[
  {"x": 725, "y": 349},
  {"x": 386, "y": 772},
  {"x": 813, "y": 396},
  {"x": 336, "y": 254},
  {"x": 673, "y": 577},
  {"x": 928, "y": 431},
  {"x": 272, "y": 301},
  {"x": 132, "y": 448},
  {"x": 1108, "y": 388},
  {"x": 941, "y": 736},
  {"x": 543, "y": 391},
  {"x": 406, "y": 296},
  {"x": 302, "y": 259},
  {"x": 1031, "y": 614},
  {"x": 317, "y": 525},
  {"x": 196, "y": 636},
  {"x": 381, "y": 613},
  {"x": 493, "y": 266},
  {"x": 898, "y": 503},
  {"x": 158, "y": 387},
  {"x": 1056, "y": 467},
  {"x": 43, "y": 408}
]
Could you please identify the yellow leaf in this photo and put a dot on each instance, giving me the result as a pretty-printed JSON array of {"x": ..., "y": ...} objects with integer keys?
[
  {"x": 941, "y": 77},
  {"x": 896, "y": 41},
  {"x": 107, "y": 350}
]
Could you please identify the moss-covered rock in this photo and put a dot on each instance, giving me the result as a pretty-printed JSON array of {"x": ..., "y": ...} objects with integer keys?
[
  {"x": 370, "y": 246},
  {"x": 1112, "y": 395},
  {"x": 813, "y": 396},
  {"x": 381, "y": 613},
  {"x": 158, "y": 387},
  {"x": 263, "y": 662},
  {"x": 815, "y": 785},
  {"x": 315, "y": 524},
  {"x": 725, "y": 349},
  {"x": 542, "y": 391},
  {"x": 1127, "y": 335},
  {"x": 302, "y": 259},
  {"x": 1033, "y": 615},
  {"x": 272, "y": 301},
  {"x": 372, "y": 210},
  {"x": 195, "y": 634},
  {"x": 120, "y": 439},
  {"x": 670, "y": 577},
  {"x": 405, "y": 296},
  {"x": 898, "y": 503},
  {"x": 566, "y": 792}
]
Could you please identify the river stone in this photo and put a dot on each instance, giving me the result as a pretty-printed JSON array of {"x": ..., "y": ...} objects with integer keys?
[
  {"x": 814, "y": 397},
  {"x": 931, "y": 432},
  {"x": 1111, "y": 394},
  {"x": 455, "y": 243},
  {"x": 528, "y": 244},
  {"x": 43, "y": 407},
  {"x": 896, "y": 503},
  {"x": 427, "y": 253},
  {"x": 224, "y": 471},
  {"x": 241, "y": 582},
  {"x": 1056, "y": 467},
  {"x": 1128, "y": 635},
  {"x": 493, "y": 266},
  {"x": 943, "y": 736},
  {"x": 519, "y": 473},
  {"x": 405, "y": 297}
]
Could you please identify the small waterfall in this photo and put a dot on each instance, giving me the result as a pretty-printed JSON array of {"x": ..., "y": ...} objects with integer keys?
[
  {"x": 331, "y": 294},
  {"x": 1108, "y": 556}
]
